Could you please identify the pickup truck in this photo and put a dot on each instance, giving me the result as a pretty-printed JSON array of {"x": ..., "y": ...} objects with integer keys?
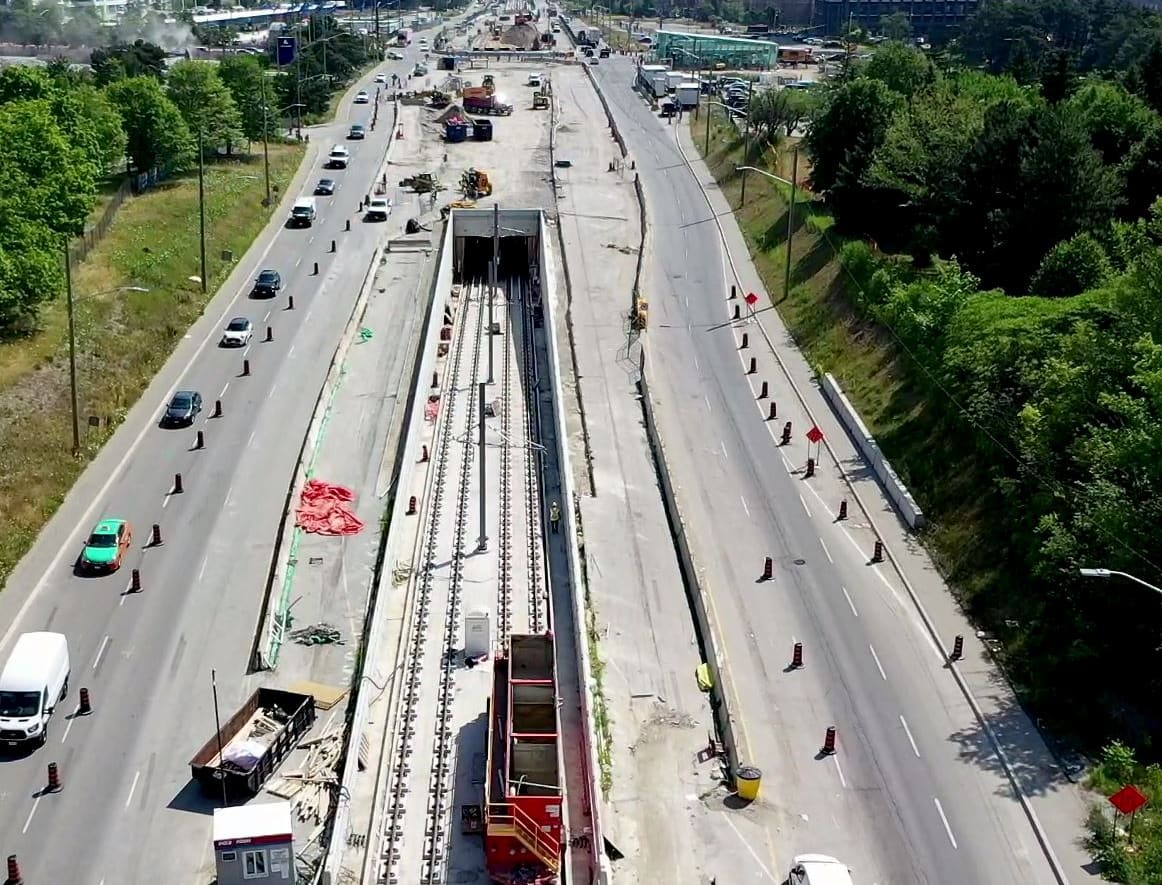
[{"x": 253, "y": 743}]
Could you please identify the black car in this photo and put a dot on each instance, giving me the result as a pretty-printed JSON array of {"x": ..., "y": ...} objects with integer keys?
[
  {"x": 325, "y": 187},
  {"x": 267, "y": 285},
  {"x": 182, "y": 409}
]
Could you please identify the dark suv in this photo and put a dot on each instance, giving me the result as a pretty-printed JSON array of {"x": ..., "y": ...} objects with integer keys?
[
  {"x": 182, "y": 409},
  {"x": 267, "y": 285}
]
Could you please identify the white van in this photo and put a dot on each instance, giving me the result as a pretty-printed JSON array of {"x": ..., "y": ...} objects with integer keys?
[
  {"x": 818, "y": 869},
  {"x": 535, "y": 80},
  {"x": 303, "y": 212},
  {"x": 34, "y": 681},
  {"x": 338, "y": 158}
]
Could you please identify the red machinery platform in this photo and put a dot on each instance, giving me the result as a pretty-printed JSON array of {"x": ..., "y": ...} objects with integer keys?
[{"x": 523, "y": 795}]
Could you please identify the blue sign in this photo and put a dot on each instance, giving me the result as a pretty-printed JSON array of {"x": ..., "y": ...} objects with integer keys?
[{"x": 287, "y": 48}]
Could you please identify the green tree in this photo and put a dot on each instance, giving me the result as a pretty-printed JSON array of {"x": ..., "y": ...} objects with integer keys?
[
  {"x": 844, "y": 137},
  {"x": 897, "y": 27},
  {"x": 1149, "y": 76},
  {"x": 780, "y": 109},
  {"x": 1142, "y": 171},
  {"x": 158, "y": 137},
  {"x": 921, "y": 162},
  {"x": 1058, "y": 77},
  {"x": 903, "y": 69},
  {"x": 136, "y": 59},
  {"x": 249, "y": 85},
  {"x": 1114, "y": 119},
  {"x": 205, "y": 103},
  {"x": 1072, "y": 267}
]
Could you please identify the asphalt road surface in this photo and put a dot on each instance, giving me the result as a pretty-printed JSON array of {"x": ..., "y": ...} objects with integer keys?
[
  {"x": 900, "y": 803},
  {"x": 127, "y": 812}
]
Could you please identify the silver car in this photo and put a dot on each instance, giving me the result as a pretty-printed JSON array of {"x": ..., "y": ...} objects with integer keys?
[{"x": 238, "y": 332}]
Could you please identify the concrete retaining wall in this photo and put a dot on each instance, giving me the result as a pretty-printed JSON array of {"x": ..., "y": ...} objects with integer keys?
[
  {"x": 696, "y": 583},
  {"x": 598, "y": 863},
  {"x": 397, "y": 532},
  {"x": 866, "y": 443}
]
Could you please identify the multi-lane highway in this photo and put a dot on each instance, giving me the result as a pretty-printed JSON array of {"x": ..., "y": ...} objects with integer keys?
[
  {"x": 127, "y": 813},
  {"x": 900, "y": 802}
]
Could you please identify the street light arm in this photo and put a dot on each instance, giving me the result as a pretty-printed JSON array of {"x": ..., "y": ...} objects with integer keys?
[
  {"x": 1108, "y": 573},
  {"x": 763, "y": 172}
]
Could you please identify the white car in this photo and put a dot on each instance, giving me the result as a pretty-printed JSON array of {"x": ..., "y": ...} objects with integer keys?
[
  {"x": 394, "y": 56},
  {"x": 423, "y": 45},
  {"x": 338, "y": 158},
  {"x": 381, "y": 78},
  {"x": 362, "y": 97},
  {"x": 238, "y": 332}
]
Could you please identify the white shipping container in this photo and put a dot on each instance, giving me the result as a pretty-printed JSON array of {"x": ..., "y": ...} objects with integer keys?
[
  {"x": 674, "y": 79},
  {"x": 660, "y": 86}
]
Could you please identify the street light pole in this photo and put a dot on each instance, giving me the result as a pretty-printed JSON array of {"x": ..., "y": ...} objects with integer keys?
[
  {"x": 790, "y": 213},
  {"x": 72, "y": 351},
  {"x": 202, "y": 206},
  {"x": 746, "y": 143}
]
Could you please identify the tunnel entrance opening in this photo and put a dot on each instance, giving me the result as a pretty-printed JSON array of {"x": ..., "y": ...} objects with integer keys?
[{"x": 518, "y": 254}]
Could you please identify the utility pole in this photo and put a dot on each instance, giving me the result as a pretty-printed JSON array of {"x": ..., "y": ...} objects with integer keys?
[
  {"x": 202, "y": 205},
  {"x": 482, "y": 541},
  {"x": 746, "y": 144},
  {"x": 494, "y": 273},
  {"x": 709, "y": 112},
  {"x": 790, "y": 223},
  {"x": 265, "y": 136},
  {"x": 218, "y": 724},
  {"x": 72, "y": 351}
]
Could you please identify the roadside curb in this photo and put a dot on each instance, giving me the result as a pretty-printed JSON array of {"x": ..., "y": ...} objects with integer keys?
[{"x": 1010, "y": 773}]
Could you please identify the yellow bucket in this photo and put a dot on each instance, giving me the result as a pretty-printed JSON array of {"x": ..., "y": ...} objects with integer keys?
[{"x": 747, "y": 781}]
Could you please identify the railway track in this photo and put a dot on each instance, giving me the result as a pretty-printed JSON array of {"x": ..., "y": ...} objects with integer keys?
[
  {"x": 530, "y": 432},
  {"x": 449, "y": 456}
]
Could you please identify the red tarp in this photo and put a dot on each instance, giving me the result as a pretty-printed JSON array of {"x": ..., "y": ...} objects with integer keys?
[{"x": 323, "y": 509}]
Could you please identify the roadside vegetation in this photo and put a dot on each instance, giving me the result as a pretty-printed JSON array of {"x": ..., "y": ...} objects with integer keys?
[
  {"x": 69, "y": 142},
  {"x": 977, "y": 258}
]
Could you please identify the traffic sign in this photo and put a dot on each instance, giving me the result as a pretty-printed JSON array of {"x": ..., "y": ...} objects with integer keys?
[
  {"x": 815, "y": 435},
  {"x": 287, "y": 49},
  {"x": 1128, "y": 799},
  {"x": 751, "y": 299}
]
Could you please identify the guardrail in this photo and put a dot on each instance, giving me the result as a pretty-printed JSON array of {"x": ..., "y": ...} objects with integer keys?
[{"x": 870, "y": 449}]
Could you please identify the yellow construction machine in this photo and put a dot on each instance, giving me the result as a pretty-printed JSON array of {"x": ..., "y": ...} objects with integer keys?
[{"x": 475, "y": 184}]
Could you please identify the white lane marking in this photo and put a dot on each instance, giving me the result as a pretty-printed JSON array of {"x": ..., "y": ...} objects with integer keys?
[
  {"x": 803, "y": 501},
  {"x": 224, "y": 389},
  {"x": 722, "y": 446},
  {"x": 132, "y": 788},
  {"x": 267, "y": 317},
  {"x": 165, "y": 500},
  {"x": 696, "y": 366},
  {"x": 744, "y": 507},
  {"x": 101, "y": 651},
  {"x": 311, "y": 239},
  {"x": 911, "y": 740},
  {"x": 823, "y": 544},
  {"x": 250, "y": 439},
  {"x": 291, "y": 352},
  {"x": 842, "y": 779},
  {"x": 298, "y": 261},
  {"x": 944, "y": 818},
  {"x": 850, "y": 604},
  {"x": 786, "y": 462},
  {"x": 908, "y": 608},
  {"x": 750, "y": 850},
  {"x": 202, "y": 570},
  {"x": 708, "y": 408},
  {"x": 879, "y": 666},
  {"x": 69, "y": 727},
  {"x": 28, "y": 822}
]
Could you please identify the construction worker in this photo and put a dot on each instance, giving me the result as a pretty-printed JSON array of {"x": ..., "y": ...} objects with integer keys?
[{"x": 555, "y": 517}]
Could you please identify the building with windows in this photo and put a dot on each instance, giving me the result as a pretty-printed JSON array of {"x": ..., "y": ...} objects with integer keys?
[
  {"x": 253, "y": 843},
  {"x": 930, "y": 18},
  {"x": 701, "y": 50}
]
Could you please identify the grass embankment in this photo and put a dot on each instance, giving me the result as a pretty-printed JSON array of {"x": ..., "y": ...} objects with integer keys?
[
  {"x": 934, "y": 457},
  {"x": 123, "y": 337},
  {"x": 1138, "y": 861}
]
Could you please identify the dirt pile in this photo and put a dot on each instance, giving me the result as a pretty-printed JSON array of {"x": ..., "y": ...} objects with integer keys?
[{"x": 520, "y": 37}]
